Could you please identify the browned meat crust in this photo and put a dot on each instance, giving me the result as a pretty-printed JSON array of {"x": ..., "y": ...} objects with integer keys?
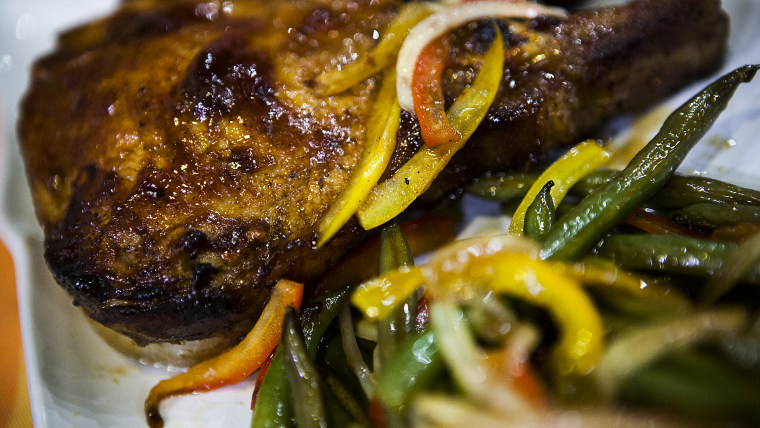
[{"x": 179, "y": 160}]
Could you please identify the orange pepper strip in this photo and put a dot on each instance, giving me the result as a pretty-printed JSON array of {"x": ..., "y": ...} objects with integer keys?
[
  {"x": 237, "y": 363},
  {"x": 427, "y": 93}
]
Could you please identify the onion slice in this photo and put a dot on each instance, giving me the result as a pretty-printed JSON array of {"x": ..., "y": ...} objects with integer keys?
[{"x": 444, "y": 21}]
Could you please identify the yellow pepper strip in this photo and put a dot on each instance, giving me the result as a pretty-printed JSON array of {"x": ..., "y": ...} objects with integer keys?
[
  {"x": 599, "y": 272},
  {"x": 377, "y": 297},
  {"x": 564, "y": 172},
  {"x": 336, "y": 81},
  {"x": 582, "y": 333},
  {"x": 237, "y": 363},
  {"x": 380, "y": 142},
  {"x": 605, "y": 273},
  {"x": 393, "y": 195},
  {"x": 503, "y": 270}
]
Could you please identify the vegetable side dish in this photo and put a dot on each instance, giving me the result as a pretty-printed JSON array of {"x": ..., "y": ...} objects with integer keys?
[{"x": 623, "y": 297}]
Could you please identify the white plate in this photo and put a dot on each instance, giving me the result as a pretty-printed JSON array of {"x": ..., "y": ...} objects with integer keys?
[{"x": 75, "y": 379}]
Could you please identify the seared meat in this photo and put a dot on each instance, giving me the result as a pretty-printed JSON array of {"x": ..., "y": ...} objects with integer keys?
[{"x": 180, "y": 160}]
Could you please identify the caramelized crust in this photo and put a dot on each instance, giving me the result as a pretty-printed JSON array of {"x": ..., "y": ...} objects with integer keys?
[{"x": 180, "y": 160}]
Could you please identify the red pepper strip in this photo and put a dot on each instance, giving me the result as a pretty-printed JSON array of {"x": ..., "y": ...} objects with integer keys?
[
  {"x": 652, "y": 223},
  {"x": 423, "y": 235},
  {"x": 520, "y": 374},
  {"x": 392, "y": 196},
  {"x": 427, "y": 93},
  {"x": 527, "y": 382},
  {"x": 237, "y": 363}
]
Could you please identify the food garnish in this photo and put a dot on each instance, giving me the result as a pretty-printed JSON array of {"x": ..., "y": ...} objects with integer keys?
[
  {"x": 391, "y": 197},
  {"x": 235, "y": 364}
]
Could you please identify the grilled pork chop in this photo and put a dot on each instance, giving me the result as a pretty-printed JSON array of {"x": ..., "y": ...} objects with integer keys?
[{"x": 180, "y": 158}]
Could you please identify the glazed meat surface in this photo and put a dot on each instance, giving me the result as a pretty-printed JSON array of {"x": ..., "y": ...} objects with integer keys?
[{"x": 180, "y": 158}]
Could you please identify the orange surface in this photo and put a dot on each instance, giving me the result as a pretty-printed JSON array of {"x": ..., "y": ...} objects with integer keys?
[{"x": 14, "y": 398}]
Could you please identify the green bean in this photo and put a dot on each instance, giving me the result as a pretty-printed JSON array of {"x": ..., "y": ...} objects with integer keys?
[
  {"x": 503, "y": 187},
  {"x": 303, "y": 378},
  {"x": 682, "y": 191},
  {"x": 698, "y": 385},
  {"x": 394, "y": 250},
  {"x": 647, "y": 172},
  {"x": 274, "y": 407},
  {"x": 396, "y": 327},
  {"x": 593, "y": 181},
  {"x": 491, "y": 319},
  {"x": 742, "y": 259},
  {"x": 679, "y": 191},
  {"x": 337, "y": 413},
  {"x": 347, "y": 400},
  {"x": 672, "y": 254},
  {"x": 715, "y": 215},
  {"x": 540, "y": 214},
  {"x": 415, "y": 364},
  {"x": 332, "y": 358}
]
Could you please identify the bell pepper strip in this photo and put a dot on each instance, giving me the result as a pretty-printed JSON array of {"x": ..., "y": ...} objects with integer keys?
[
  {"x": 498, "y": 265},
  {"x": 651, "y": 168},
  {"x": 339, "y": 80},
  {"x": 522, "y": 276},
  {"x": 652, "y": 223},
  {"x": 381, "y": 141},
  {"x": 393, "y": 195},
  {"x": 637, "y": 348},
  {"x": 511, "y": 364},
  {"x": 273, "y": 407},
  {"x": 429, "y": 103},
  {"x": 597, "y": 272},
  {"x": 736, "y": 233},
  {"x": 564, "y": 172},
  {"x": 378, "y": 297},
  {"x": 235, "y": 364},
  {"x": 260, "y": 378},
  {"x": 447, "y": 19}
]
